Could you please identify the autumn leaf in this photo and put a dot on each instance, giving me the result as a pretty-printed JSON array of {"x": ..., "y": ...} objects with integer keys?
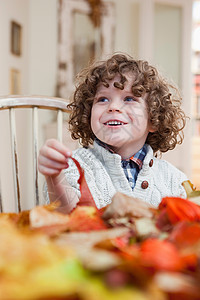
[
  {"x": 47, "y": 221},
  {"x": 85, "y": 218},
  {"x": 178, "y": 286},
  {"x": 82, "y": 218},
  {"x": 160, "y": 255},
  {"x": 86, "y": 198},
  {"x": 126, "y": 206},
  {"x": 21, "y": 220}
]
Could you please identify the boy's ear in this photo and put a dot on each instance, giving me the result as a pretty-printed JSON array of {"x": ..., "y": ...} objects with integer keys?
[{"x": 151, "y": 128}]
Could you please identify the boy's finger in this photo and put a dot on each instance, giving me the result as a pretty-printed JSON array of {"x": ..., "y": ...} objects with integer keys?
[
  {"x": 48, "y": 171},
  {"x": 52, "y": 154},
  {"x": 49, "y": 163},
  {"x": 60, "y": 147}
]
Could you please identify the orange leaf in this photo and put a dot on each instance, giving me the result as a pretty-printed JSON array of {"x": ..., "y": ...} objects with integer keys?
[
  {"x": 160, "y": 255},
  {"x": 21, "y": 220},
  {"x": 85, "y": 218},
  {"x": 82, "y": 218},
  {"x": 178, "y": 209}
]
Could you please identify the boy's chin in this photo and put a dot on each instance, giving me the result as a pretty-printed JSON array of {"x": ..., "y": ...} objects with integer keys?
[{"x": 114, "y": 144}]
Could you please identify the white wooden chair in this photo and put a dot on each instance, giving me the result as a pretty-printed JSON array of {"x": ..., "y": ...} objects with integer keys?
[{"x": 33, "y": 103}]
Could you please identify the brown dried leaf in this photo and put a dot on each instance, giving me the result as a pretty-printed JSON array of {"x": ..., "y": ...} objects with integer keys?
[
  {"x": 98, "y": 259},
  {"x": 40, "y": 217},
  {"x": 89, "y": 239},
  {"x": 175, "y": 283},
  {"x": 123, "y": 205},
  {"x": 146, "y": 227},
  {"x": 21, "y": 220}
]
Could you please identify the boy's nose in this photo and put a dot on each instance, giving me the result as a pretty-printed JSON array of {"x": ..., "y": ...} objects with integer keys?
[
  {"x": 114, "y": 106},
  {"x": 114, "y": 109}
]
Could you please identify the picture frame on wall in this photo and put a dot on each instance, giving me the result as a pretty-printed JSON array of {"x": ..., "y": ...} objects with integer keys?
[
  {"x": 16, "y": 38},
  {"x": 15, "y": 82}
]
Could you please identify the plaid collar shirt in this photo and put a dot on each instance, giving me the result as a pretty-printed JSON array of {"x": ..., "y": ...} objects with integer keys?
[{"x": 132, "y": 165}]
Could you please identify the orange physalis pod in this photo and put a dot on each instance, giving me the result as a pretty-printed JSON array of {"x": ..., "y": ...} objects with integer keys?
[
  {"x": 179, "y": 209},
  {"x": 185, "y": 234}
]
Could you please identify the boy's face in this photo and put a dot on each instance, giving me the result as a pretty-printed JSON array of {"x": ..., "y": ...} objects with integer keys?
[{"x": 120, "y": 119}]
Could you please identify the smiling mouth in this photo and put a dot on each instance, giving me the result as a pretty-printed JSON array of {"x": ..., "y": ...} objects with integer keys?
[{"x": 114, "y": 123}]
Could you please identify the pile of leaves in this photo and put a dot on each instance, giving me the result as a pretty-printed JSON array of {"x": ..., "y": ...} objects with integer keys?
[{"x": 128, "y": 250}]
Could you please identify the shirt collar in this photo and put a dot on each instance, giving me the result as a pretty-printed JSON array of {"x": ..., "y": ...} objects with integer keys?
[{"x": 139, "y": 156}]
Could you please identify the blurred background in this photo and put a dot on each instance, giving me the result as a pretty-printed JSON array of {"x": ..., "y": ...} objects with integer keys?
[{"x": 45, "y": 43}]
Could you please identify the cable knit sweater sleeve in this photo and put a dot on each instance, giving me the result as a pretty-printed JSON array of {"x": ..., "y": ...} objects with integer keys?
[{"x": 98, "y": 180}]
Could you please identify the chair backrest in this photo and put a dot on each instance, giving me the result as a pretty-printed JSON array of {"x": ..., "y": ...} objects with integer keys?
[{"x": 11, "y": 103}]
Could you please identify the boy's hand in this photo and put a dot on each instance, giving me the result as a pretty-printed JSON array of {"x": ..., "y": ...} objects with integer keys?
[{"x": 53, "y": 157}]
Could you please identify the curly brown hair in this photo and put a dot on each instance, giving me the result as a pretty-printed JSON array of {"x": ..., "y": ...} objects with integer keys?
[{"x": 163, "y": 100}]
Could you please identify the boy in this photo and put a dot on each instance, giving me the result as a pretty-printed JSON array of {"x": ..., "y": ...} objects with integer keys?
[{"x": 127, "y": 112}]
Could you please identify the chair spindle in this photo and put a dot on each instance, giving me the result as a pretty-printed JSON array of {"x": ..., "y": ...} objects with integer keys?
[{"x": 14, "y": 158}]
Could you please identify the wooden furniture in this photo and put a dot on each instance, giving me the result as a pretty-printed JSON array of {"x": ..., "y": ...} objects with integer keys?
[{"x": 11, "y": 103}]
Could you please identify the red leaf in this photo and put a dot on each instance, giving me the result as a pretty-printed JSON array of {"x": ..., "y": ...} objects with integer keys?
[{"x": 86, "y": 196}]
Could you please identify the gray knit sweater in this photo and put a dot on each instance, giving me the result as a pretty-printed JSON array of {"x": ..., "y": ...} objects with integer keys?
[{"x": 105, "y": 176}]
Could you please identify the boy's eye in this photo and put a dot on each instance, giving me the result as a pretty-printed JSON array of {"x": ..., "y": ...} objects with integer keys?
[
  {"x": 129, "y": 99},
  {"x": 103, "y": 99}
]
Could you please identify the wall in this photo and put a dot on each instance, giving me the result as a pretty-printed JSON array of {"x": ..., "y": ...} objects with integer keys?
[
  {"x": 127, "y": 26},
  {"x": 17, "y": 11},
  {"x": 43, "y": 43}
]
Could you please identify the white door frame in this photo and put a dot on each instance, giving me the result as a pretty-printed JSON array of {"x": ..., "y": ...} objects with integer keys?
[{"x": 146, "y": 50}]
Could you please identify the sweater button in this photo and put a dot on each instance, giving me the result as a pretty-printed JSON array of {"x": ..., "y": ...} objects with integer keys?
[
  {"x": 144, "y": 184},
  {"x": 151, "y": 163}
]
